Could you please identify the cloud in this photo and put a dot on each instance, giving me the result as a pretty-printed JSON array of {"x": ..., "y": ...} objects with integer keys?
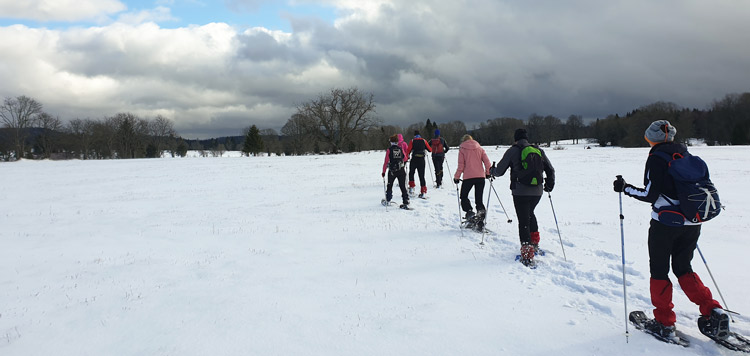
[
  {"x": 421, "y": 59},
  {"x": 59, "y": 10},
  {"x": 157, "y": 14}
]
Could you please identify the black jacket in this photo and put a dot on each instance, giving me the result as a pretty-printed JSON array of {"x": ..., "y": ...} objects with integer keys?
[{"x": 659, "y": 187}]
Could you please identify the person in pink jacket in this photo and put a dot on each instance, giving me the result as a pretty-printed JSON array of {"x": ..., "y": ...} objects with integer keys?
[{"x": 474, "y": 164}]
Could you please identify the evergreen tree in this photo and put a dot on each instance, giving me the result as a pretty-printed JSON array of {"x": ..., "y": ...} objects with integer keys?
[{"x": 253, "y": 141}]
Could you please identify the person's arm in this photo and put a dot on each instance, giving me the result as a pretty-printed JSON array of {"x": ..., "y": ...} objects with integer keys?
[
  {"x": 653, "y": 178},
  {"x": 549, "y": 173},
  {"x": 461, "y": 164},
  {"x": 427, "y": 145},
  {"x": 504, "y": 163},
  {"x": 445, "y": 144}
]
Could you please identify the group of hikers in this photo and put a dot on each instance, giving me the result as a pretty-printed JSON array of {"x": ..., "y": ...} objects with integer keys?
[{"x": 532, "y": 174}]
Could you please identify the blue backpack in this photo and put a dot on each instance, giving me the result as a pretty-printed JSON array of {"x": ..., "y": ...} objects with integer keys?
[{"x": 699, "y": 200}]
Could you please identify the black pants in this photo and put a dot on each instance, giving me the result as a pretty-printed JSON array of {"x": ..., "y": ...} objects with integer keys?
[
  {"x": 437, "y": 160},
  {"x": 466, "y": 186},
  {"x": 525, "y": 205},
  {"x": 401, "y": 176},
  {"x": 417, "y": 163},
  {"x": 675, "y": 242}
]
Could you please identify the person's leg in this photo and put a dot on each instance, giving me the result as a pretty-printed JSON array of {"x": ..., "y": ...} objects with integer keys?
[
  {"x": 479, "y": 194},
  {"x": 533, "y": 226},
  {"x": 389, "y": 189},
  {"x": 660, "y": 239},
  {"x": 466, "y": 186},
  {"x": 422, "y": 180},
  {"x": 412, "y": 168},
  {"x": 691, "y": 284},
  {"x": 402, "y": 184},
  {"x": 523, "y": 206}
]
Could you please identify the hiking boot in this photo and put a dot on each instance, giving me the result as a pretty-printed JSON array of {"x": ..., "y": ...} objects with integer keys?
[
  {"x": 527, "y": 254},
  {"x": 536, "y": 248},
  {"x": 715, "y": 325},
  {"x": 469, "y": 215},
  {"x": 667, "y": 332},
  {"x": 421, "y": 195}
]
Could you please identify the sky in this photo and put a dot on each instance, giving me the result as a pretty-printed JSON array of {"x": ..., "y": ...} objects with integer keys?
[{"x": 215, "y": 67}]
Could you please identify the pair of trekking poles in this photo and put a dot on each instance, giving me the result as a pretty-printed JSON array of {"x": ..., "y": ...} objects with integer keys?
[{"x": 624, "y": 284}]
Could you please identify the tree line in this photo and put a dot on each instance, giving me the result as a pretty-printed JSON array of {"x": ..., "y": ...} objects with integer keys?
[{"x": 344, "y": 120}]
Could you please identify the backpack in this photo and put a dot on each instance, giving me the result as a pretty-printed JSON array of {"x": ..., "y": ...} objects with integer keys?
[
  {"x": 419, "y": 146},
  {"x": 699, "y": 199},
  {"x": 437, "y": 146},
  {"x": 395, "y": 159},
  {"x": 532, "y": 166}
]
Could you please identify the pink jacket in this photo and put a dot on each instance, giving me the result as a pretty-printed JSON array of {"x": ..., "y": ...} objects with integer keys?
[
  {"x": 471, "y": 156},
  {"x": 403, "y": 145}
]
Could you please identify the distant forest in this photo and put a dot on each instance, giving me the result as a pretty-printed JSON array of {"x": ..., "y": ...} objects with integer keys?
[{"x": 343, "y": 120}]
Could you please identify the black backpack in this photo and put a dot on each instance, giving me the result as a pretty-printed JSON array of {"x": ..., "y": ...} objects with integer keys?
[
  {"x": 532, "y": 166},
  {"x": 699, "y": 199},
  {"x": 395, "y": 159}
]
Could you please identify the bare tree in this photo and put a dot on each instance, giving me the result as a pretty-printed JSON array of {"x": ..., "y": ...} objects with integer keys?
[
  {"x": 452, "y": 132},
  {"x": 297, "y": 139},
  {"x": 49, "y": 137},
  {"x": 19, "y": 114},
  {"x": 162, "y": 133},
  {"x": 82, "y": 132},
  {"x": 336, "y": 116},
  {"x": 575, "y": 127}
]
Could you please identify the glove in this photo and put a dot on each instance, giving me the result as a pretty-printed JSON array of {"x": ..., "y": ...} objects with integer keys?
[
  {"x": 382, "y": 174},
  {"x": 619, "y": 184},
  {"x": 456, "y": 180},
  {"x": 548, "y": 185},
  {"x": 488, "y": 176}
]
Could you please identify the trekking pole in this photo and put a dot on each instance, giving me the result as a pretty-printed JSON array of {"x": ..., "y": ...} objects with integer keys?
[
  {"x": 501, "y": 205},
  {"x": 558, "y": 226},
  {"x": 385, "y": 190},
  {"x": 458, "y": 198},
  {"x": 486, "y": 211},
  {"x": 715, "y": 285},
  {"x": 624, "y": 284}
]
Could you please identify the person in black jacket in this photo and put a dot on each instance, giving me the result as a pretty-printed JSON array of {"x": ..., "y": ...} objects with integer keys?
[
  {"x": 675, "y": 242},
  {"x": 416, "y": 149},
  {"x": 525, "y": 197}
]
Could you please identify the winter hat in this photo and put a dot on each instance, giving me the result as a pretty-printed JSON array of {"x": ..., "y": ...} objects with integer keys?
[
  {"x": 520, "y": 134},
  {"x": 660, "y": 131},
  {"x": 437, "y": 133}
]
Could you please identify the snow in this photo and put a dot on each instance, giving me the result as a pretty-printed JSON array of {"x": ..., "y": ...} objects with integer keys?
[{"x": 296, "y": 256}]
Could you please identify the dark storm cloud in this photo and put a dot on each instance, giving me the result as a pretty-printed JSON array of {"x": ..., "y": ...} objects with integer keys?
[{"x": 470, "y": 61}]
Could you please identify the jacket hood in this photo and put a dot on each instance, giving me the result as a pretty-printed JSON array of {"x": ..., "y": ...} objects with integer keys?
[
  {"x": 470, "y": 145},
  {"x": 400, "y": 138}
]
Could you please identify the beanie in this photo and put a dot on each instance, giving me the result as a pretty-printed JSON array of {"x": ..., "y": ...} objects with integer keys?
[
  {"x": 437, "y": 133},
  {"x": 660, "y": 131},
  {"x": 520, "y": 134}
]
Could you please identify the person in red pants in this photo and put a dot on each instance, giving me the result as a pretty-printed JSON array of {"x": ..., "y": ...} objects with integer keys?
[{"x": 666, "y": 242}]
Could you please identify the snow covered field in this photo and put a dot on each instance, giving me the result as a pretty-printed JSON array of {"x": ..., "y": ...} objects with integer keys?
[{"x": 296, "y": 256}]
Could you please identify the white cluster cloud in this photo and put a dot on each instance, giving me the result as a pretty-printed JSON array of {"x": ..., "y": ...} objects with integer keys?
[
  {"x": 470, "y": 61},
  {"x": 59, "y": 10}
]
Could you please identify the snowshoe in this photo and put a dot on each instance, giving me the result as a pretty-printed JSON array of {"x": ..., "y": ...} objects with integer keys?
[
  {"x": 716, "y": 327},
  {"x": 405, "y": 207},
  {"x": 661, "y": 332}
]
